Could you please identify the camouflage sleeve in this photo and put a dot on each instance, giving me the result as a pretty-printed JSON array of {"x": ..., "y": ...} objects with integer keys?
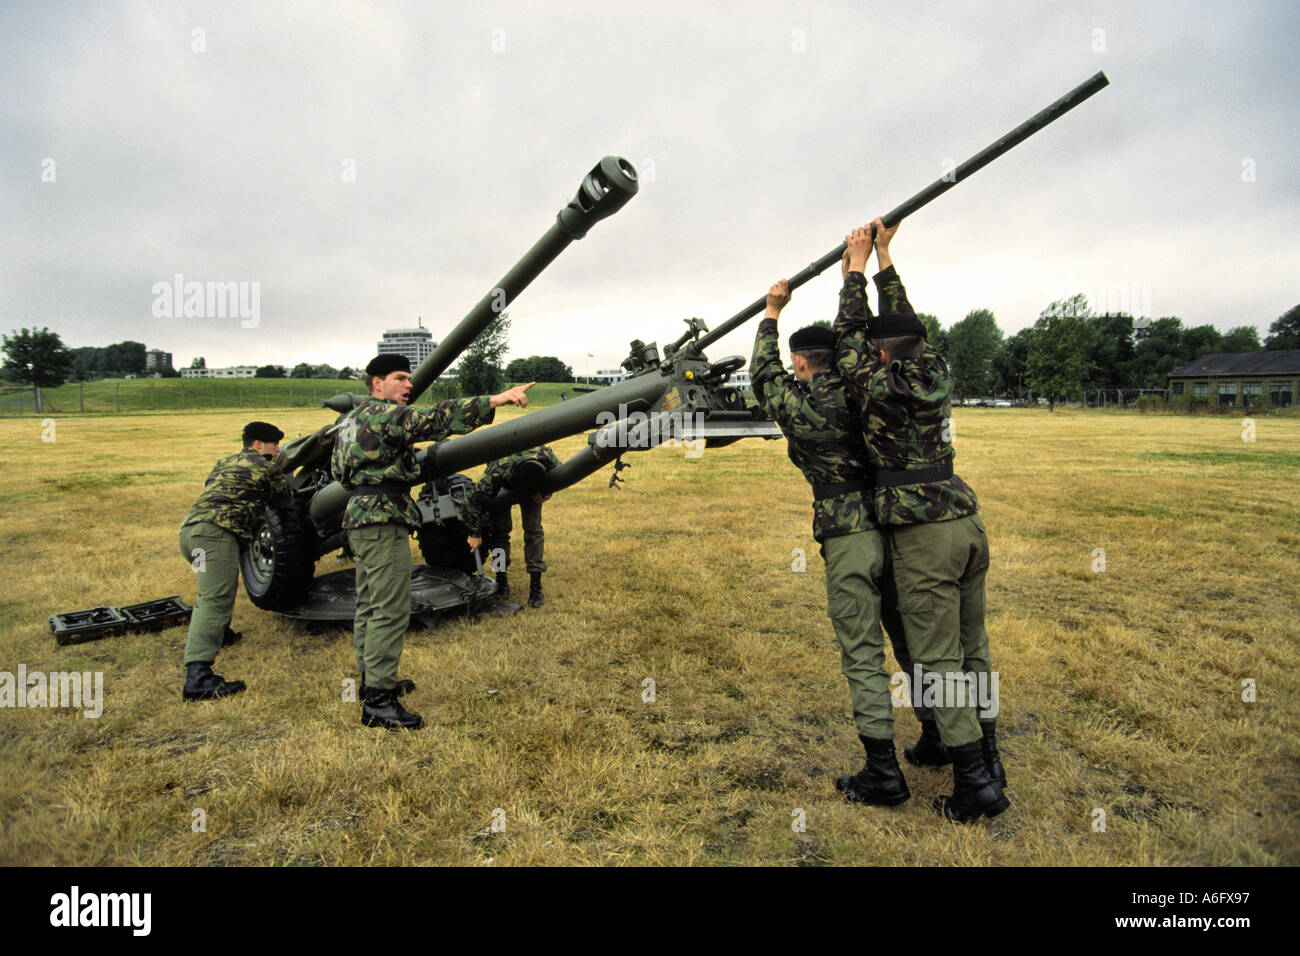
[
  {"x": 893, "y": 297},
  {"x": 549, "y": 458},
  {"x": 457, "y": 417},
  {"x": 783, "y": 402},
  {"x": 854, "y": 356},
  {"x": 476, "y": 503},
  {"x": 281, "y": 495}
]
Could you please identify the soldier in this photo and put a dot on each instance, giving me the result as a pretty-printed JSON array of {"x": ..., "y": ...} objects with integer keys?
[
  {"x": 525, "y": 475},
  {"x": 820, "y": 419},
  {"x": 226, "y": 516},
  {"x": 937, "y": 541},
  {"x": 374, "y": 458}
]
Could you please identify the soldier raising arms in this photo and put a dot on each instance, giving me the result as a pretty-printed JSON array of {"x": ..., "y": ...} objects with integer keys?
[
  {"x": 820, "y": 418},
  {"x": 224, "y": 517},
  {"x": 374, "y": 458},
  {"x": 937, "y": 541}
]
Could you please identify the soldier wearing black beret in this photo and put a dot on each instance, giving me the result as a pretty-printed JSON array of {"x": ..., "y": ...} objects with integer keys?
[{"x": 223, "y": 519}]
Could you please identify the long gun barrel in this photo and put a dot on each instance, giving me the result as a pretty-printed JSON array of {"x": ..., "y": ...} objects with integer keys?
[
  {"x": 937, "y": 188},
  {"x": 604, "y": 191}
]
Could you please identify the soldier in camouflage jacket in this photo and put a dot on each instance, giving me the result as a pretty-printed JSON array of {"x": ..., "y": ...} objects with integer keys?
[
  {"x": 374, "y": 458},
  {"x": 524, "y": 474},
  {"x": 937, "y": 541},
  {"x": 820, "y": 416},
  {"x": 225, "y": 518}
]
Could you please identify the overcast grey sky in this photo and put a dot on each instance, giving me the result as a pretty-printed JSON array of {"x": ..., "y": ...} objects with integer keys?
[{"x": 366, "y": 164}]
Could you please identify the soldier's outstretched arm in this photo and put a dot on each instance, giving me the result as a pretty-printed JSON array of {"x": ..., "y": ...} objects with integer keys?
[
  {"x": 512, "y": 396},
  {"x": 893, "y": 297},
  {"x": 854, "y": 357},
  {"x": 765, "y": 368}
]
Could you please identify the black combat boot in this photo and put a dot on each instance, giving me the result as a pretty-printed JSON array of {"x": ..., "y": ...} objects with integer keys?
[
  {"x": 975, "y": 793},
  {"x": 992, "y": 760},
  {"x": 202, "y": 684},
  {"x": 535, "y": 589},
  {"x": 880, "y": 782},
  {"x": 381, "y": 709},
  {"x": 928, "y": 751},
  {"x": 229, "y": 637},
  {"x": 403, "y": 687},
  {"x": 503, "y": 586}
]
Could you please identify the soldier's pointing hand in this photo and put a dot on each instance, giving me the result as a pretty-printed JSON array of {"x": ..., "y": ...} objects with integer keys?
[{"x": 512, "y": 396}]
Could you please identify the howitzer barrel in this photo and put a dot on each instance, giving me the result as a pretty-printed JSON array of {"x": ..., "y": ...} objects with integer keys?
[
  {"x": 937, "y": 188},
  {"x": 604, "y": 191},
  {"x": 636, "y": 394}
]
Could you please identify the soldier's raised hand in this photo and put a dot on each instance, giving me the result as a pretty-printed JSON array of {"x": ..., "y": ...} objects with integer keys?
[
  {"x": 778, "y": 297},
  {"x": 512, "y": 396},
  {"x": 859, "y": 249},
  {"x": 883, "y": 235}
]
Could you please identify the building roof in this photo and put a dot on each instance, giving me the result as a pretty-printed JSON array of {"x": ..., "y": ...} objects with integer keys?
[{"x": 1266, "y": 362}]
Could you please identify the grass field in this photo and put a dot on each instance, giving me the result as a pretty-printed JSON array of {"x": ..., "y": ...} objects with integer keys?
[
  {"x": 174, "y": 394},
  {"x": 1121, "y": 689}
]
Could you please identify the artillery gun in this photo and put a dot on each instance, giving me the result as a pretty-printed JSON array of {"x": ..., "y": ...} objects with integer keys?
[
  {"x": 681, "y": 395},
  {"x": 676, "y": 395}
]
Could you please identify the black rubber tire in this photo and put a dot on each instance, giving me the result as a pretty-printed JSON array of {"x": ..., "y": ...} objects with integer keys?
[
  {"x": 279, "y": 563},
  {"x": 444, "y": 547}
]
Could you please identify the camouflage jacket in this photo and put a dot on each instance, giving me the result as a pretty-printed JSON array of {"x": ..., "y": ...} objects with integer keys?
[
  {"x": 908, "y": 419},
  {"x": 374, "y": 444},
  {"x": 239, "y": 488},
  {"x": 820, "y": 420},
  {"x": 500, "y": 473}
]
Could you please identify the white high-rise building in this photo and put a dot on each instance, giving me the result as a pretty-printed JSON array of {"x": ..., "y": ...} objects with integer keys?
[{"x": 416, "y": 344}]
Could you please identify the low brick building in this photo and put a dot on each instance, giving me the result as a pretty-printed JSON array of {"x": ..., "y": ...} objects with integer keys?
[{"x": 1269, "y": 379}]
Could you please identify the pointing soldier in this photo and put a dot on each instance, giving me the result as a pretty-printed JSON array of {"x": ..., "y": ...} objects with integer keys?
[
  {"x": 374, "y": 458},
  {"x": 937, "y": 541},
  {"x": 821, "y": 421},
  {"x": 225, "y": 516},
  {"x": 525, "y": 475}
]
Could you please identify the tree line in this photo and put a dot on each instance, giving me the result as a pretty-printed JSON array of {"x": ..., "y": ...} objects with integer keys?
[{"x": 1069, "y": 349}]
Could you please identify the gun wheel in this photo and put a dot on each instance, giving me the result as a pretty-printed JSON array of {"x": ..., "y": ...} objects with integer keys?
[{"x": 279, "y": 563}]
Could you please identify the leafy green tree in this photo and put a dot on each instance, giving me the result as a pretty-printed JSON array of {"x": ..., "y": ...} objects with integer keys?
[
  {"x": 324, "y": 370},
  {"x": 480, "y": 371},
  {"x": 1057, "y": 361},
  {"x": 1244, "y": 338},
  {"x": 1111, "y": 356},
  {"x": 270, "y": 371},
  {"x": 198, "y": 362},
  {"x": 36, "y": 357},
  {"x": 934, "y": 333},
  {"x": 302, "y": 370},
  {"x": 1009, "y": 363},
  {"x": 1284, "y": 333},
  {"x": 972, "y": 345},
  {"x": 1158, "y": 350},
  {"x": 1198, "y": 341}
]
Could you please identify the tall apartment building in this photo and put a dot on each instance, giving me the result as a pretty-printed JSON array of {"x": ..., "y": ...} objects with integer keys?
[
  {"x": 416, "y": 344},
  {"x": 156, "y": 360}
]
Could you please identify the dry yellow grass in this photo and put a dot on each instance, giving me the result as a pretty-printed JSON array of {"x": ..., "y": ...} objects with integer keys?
[{"x": 1121, "y": 690}]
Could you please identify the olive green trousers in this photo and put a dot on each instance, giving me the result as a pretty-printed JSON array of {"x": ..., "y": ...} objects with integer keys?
[
  {"x": 854, "y": 566},
  {"x": 530, "y": 514},
  {"x": 939, "y": 569},
  {"x": 212, "y": 553},
  {"x": 383, "y": 554}
]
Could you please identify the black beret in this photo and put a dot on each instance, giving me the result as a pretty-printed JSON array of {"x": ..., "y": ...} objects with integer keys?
[
  {"x": 384, "y": 365},
  {"x": 261, "y": 431},
  {"x": 812, "y": 337},
  {"x": 893, "y": 324},
  {"x": 529, "y": 476}
]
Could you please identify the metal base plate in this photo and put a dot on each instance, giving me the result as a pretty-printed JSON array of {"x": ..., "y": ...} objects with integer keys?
[{"x": 434, "y": 593}]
